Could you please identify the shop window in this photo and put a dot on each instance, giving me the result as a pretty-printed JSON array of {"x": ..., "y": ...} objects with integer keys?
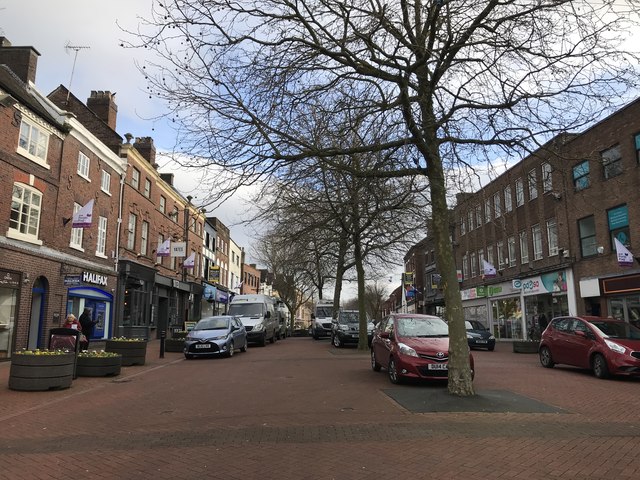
[
  {"x": 587, "y": 232},
  {"x": 519, "y": 193},
  {"x": 612, "y": 162},
  {"x": 618, "y": 220},
  {"x": 581, "y": 176}
]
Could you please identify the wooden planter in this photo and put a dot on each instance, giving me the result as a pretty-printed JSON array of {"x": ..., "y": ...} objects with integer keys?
[
  {"x": 41, "y": 372},
  {"x": 525, "y": 347},
  {"x": 98, "y": 366},
  {"x": 133, "y": 352},
  {"x": 174, "y": 345}
]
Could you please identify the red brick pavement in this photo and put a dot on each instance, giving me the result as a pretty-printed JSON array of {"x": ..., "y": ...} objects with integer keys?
[{"x": 301, "y": 409}]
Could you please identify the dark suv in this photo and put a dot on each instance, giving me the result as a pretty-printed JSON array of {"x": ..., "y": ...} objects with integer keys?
[{"x": 346, "y": 329}]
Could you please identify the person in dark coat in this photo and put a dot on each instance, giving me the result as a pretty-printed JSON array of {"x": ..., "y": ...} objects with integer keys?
[{"x": 87, "y": 324}]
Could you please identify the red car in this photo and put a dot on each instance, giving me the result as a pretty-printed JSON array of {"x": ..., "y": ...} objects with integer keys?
[
  {"x": 412, "y": 346},
  {"x": 604, "y": 345}
]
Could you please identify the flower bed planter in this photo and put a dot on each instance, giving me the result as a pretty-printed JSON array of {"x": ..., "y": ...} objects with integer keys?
[
  {"x": 36, "y": 372},
  {"x": 523, "y": 346},
  {"x": 133, "y": 352},
  {"x": 98, "y": 366},
  {"x": 174, "y": 345}
]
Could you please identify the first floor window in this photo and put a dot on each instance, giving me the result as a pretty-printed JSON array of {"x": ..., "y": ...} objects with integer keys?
[
  {"x": 76, "y": 233},
  {"x": 474, "y": 265},
  {"x": 160, "y": 242},
  {"x": 511, "y": 245},
  {"x": 552, "y": 236},
  {"x": 105, "y": 182},
  {"x": 131, "y": 231},
  {"x": 587, "y": 232},
  {"x": 83, "y": 165},
  {"x": 26, "y": 203},
  {"x": 524, "y": 248},
  {"x": 536, "y": 234},
  {"x": 519, "y": 193},
  {"x": 501, "y": 258},
  {"x": 144, "y": 238},
  {"x": 102, "y": 236},
  {"x": 465, "y": 267},
  {"x": 508, "y": 205}
]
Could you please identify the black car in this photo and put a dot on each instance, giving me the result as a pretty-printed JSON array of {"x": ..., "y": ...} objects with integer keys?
[
  {"x": 346, "y": 329},
  {"x": 479, "y": 336}
]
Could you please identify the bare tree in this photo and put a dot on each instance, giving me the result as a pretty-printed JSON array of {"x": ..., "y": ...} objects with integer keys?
[{"x": 454, "y": 83}]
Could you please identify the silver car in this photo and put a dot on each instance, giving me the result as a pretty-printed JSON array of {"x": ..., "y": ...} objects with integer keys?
[{"x": 218, "y": 335}]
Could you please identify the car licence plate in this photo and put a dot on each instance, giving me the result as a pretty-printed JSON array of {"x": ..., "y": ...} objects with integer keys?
[
  {"x": 203, "y": 345},
  {"x": 481, "y": 341},
  {"x": 437, "y": 366}
]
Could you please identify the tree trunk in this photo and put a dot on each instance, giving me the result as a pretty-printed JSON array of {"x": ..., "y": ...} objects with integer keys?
[{"x": 363, "y": 343}]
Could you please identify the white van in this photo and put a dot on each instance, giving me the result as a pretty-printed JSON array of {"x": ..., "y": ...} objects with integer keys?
[{"x": 258, "y": 315}]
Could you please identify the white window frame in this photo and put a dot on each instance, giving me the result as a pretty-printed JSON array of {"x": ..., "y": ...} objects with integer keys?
[
  {"x": 490, "y": 254},
  {"x": 508, "y": 201},
  {"x": 536, "y": 235},
  {"x": 470, "y": 220},
  {"x": 131, "y": 231},
  {"x": 105, "y": 182},
  {"x": 511, "y": 246},
  {"x": 160, "y": 242},
  {"x": 147, "y": 188},
  {"x": 519, "y": 193},
  {"x": 33, "y": 142},
  {"x": 25, "y": 214},
  {"x": 547, "y": 179},
  {"x": 101, "y": 244},
  {"x": 478, "y": 209},
  {"x": 84, "y": 164},
  {"x": 552, "y": 236},
  {"x": 487, "y": 210},
  {"x": 76, "y": 233},
  {"x": 524, "y": 247},
  {"x": 532, "y": 180},
  {"x": 162, "y": 206},
  {"x": 497, "y": 205},
  {"x": 481, "y": 262},
  {"x": 501, "y": 257},
  {"x": 474, "y": 264},
  {"x": 135, "y": 178},
  {"x": 463, "y": 227}
]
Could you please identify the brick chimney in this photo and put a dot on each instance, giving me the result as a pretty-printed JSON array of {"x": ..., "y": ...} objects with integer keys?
[
  {"x": 104, "y": 106},
  {"x": 23, "y": 61},
  {"x": 145, "y": 146},
  {"x": 167, "y": 177}
]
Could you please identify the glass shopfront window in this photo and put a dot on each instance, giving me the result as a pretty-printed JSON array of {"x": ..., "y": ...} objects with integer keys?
[
  {"x": 478, "y": 313},
  {"x": 508, "y": 322},
  {"x": 626, "y": 308}
]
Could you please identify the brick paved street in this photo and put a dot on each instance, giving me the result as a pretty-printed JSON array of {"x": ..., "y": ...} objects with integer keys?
[{"x": 301, "y": 409}]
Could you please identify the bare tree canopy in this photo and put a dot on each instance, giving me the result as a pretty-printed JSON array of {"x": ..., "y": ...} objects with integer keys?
[{"x": 452, "y": 83}]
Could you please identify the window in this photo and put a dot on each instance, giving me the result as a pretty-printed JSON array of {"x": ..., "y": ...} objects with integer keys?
[
  {"x": 131, "y": 231},
  {"x": 463, "y": 227},
  {"x": 24, "y": 221},
  {"x": 163, "y": 204},
  {"x": 533, "y": 185},
  {"x": 497, "y": 205},
  {"x": 147, "y": 188},
  {"x": 34, "y": 142},
  {"x": 474, "y": 265},
  {"x": 552, "y": 236},
  {"x": 524, "y": 248},
  {"x": 519, "y": 193},
  {"x": 470, "y": 220},
  {"x": 83, "y": 165},
  {"x": 105, "y": 183},
  {"x": 536, "y": 235},
  {"x": 478, "y": 214},
  {"x": 508, "y": 205},
  {"x": 135, "y": 178},
  {"x": 612, "y": 162},
  {"x": 144, "y": 238},
  {"x": 581, "y": 176},
  {"x": 102, "y": 236},
  {"x": 490, "y": 254},
  {"x": 481, "y": 262},
  {"x": 487, "y": 210},
  {"x": 637, "y": 139},
  {"x": 465, "y": 266},
  {"x": 76, "y": 233},
  {"x": 587, "y": 232},
  {"x": 618, "y": 219},
  {"x": 511, "y": 244},
  {"x": 547, "y": 181},
  {"x": 501, "y": 258},
  {"x": 160, "y": 242}
]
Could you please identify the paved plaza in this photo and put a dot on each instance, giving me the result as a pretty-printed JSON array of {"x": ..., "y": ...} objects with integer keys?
[{"x": 301, "y": 409}]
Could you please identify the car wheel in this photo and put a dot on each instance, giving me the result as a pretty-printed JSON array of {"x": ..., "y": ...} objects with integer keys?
[
  {"x": 600, "y": 368},
  {"x": 316, "y": 337},
  {"x": 393, "y": 372},
  {"x": 491, "y": 349},
  {"x": 545, "y": 357},
  {"x": 375, "y": 366},
  {"x": 188, "y": 356},
  {"x": 336, "y": 341},
  {"x": 263, "y": 340},
  {"x": 273, "y": 338},
  {"x": 244, "y": 347},
  {"x": 231, "y": 350}
]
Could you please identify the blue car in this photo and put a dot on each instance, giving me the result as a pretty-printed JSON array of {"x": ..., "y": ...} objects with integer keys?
[{"x": 218, "y": 335}]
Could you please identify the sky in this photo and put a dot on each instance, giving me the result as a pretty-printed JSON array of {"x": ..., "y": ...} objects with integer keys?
[{"x": 53, "y": 27}]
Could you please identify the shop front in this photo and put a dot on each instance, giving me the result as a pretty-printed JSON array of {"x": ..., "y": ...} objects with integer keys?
[
  {"x": 9, "y": 290},
  {"x": 623, "y": 297}
]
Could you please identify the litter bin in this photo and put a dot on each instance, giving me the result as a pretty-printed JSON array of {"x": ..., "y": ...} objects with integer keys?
[{"x": 66, "y": 339}]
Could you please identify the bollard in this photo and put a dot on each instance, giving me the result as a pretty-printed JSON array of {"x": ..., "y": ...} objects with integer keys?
[{"x": 163, "y": 335}]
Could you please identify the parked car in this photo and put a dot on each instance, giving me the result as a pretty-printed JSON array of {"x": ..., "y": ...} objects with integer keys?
[
  {"x": 346, "y": 329},
  {"x": 257, "y": 313},
  {"x": 321, "y": 320},
  {"x": 479, "y": 336},
  {"x": 412, "y": 346},
  {"x": 603, "y": 345},
  {"x": 300, "y": 329},
  {"x": 217, "y": 335}
]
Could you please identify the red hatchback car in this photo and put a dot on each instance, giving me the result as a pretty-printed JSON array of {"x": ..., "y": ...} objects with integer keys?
[
  {"x": 412, "y": 346},
  {"x": 604, "y": 345}
]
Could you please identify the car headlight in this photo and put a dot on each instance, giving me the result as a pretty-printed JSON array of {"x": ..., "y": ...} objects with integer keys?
[
  {"x": 220, "y": 337},
  {"x": 407, "y": 350},
  {"x": 491, "y": 337},
  {"x": 616, "y": 347},
  {"x": 188, "y": 339},
  {"x": 258, "y": 327},
  {"x": 469, "y": 335},
  {"x": 343, "y": 328}
]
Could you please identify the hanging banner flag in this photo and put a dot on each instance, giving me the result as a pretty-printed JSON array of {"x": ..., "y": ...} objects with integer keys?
[
  {"x": 82, "y": 218},
  {"x": 164, "y": 250},
  {"x": 190, "y": 262},
  {"x": 489, "y": 270},
  {"x": 625, "y": 259}
]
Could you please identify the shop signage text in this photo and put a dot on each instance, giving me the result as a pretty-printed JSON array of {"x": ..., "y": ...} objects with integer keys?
[{"x": 88, "y": 277}]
